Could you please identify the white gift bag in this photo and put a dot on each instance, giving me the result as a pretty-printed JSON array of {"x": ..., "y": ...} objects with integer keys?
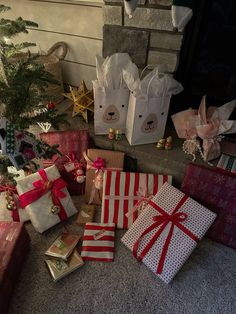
[
  {"x": 110, "y": 108},
  {"x": 146, "y": 118}
]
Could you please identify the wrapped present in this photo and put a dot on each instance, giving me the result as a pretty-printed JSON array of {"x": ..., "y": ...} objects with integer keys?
[
  {"x": 72, "y": 144},
  {"x": 97, "y": 161},
  {"x": 19, "y": 146},
  {"x": 59, "y": 268},
  {"x": 63, "y": 246},
  {"x": 227, "y": 162},
  {"x": 14, "y": 246},
  {"x": 125, "y": 194},
  {"x": 86, "y": 214},
  {"x": 98, "y": 242},
  {"x": 46, "y": 198},
  {"x": 216, "y": 189},
  {"x": 10, "y": 209},
  {"x": 167, "y": 231}
]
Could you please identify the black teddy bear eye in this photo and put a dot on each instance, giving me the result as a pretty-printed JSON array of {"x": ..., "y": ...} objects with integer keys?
[
  {"x": 140, "y": 116},
  {"x": 100, "y": 106},
  {"x": 123, "y": 106}
]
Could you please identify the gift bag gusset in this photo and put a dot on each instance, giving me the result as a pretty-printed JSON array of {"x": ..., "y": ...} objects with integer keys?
[
  {"x": 46, "y": 198},
  {"x": 10, "y": 209},
  {"x": 167, "y": 231},
  {"x": 148, "y": 106},
  {"x": 216, "y": 189},
  {"x": 98, "y": 242},
  {"x": 98, "y": 160},
  {"x": 125, "y": 194}
]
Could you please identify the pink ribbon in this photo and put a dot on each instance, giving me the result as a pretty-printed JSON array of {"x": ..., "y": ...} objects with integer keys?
[
  {"x": 98, "y": 164},
  {"x": 144, "y": 198},
  {"x": 43, "y": 186}
]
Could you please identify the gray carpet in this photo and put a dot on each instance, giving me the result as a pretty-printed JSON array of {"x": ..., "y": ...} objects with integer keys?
[{"x": 206, "y": 283}]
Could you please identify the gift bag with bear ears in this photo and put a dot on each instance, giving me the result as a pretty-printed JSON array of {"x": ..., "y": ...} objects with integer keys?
[
  {"x": 148, "y": 107},
  {"x": 111, "y": 95}
]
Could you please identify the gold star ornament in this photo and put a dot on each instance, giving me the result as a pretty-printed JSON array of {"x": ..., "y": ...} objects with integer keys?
[{"x": 82, "y": 100}]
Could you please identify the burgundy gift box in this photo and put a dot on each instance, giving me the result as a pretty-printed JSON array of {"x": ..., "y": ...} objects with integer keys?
[
  {"x": 14, "y": 244},
  {"x": 70, "y": 142},
  {"x": 215, "y": 189}
]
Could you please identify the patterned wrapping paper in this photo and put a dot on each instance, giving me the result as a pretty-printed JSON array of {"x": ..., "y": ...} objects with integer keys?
[
  {"x": 216, "y": 189},
  {"x": 98, "y": 242},
  {"x": 14, "y": 245},
  {"x": 70, "y": 142},
  {"x": 18, "y": 215},
  {"x": 167, "y": 231},
  {"x": 227, "y": 162},
  {"x": 112, "y": 159},
  {"x": 124, "y": 191},
  {"x": 39, "y": 211}
]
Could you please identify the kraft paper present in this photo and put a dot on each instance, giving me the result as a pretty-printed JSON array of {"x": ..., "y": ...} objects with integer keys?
[
  {"x": 86, "y": 214},
  {"x": 112, "y": 159},
  {"x": 167, "y": 231}
]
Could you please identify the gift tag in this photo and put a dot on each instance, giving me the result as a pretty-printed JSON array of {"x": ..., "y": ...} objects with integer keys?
[
  {"x": 86, "y": 214},
  {"x": 70, "y": 166}
]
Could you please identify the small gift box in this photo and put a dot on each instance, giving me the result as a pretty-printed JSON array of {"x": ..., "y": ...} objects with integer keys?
[
  {"x": 216, "y": 189},
  {"x": 167, "y": 231},
  {"x": 125, "y": 194},
  {"x": 46, "y": 198},
  {"x": 14, "y": 246},
  {"x": 72, "y": 144},
  {"x": 98, "y": 242},
  {"x": 86, "y": 214},
  {"x": 63, "y": 246},
  {"x": 59, "y": 268},
  {"x": 97, "y": 161},
  {"x": 10, "y": 209}
]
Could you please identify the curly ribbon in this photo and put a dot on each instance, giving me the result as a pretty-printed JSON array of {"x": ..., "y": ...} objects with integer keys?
[
  {"x": 175, "y": 219},
  {"x": 12, "y": 189},
  {"x": 99, "y": 166},
  {"x": 43, "y": 186}
]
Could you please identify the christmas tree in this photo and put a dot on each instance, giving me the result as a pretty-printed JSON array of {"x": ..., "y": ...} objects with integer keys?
[{"x": 23, "y": 85}]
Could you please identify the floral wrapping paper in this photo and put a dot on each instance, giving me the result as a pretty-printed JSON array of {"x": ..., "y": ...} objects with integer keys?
[
  {"x": 123, "y": 190},
  {"x": 39, "y": 211},
  {"x": 98, "y": 242},
  {"x": 216, "y": 189},
  {"x": 193, "y": 220}
]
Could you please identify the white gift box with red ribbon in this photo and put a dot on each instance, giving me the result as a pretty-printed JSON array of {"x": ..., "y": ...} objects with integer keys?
[
  {"x": 98, "y": 242},
  {"x": 167, "y": 231},
  {"x": 45, "y": 197},
  {"x": 125, "y": 194}
]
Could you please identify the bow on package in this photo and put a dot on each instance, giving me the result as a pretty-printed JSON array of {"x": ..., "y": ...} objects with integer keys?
[{"x": 207, "y": 124}]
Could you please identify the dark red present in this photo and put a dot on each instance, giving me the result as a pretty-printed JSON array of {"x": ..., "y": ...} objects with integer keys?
[
  {"x": 70, "y": 142},
  {"x": 14, "y": 245},
  {"x": 215, "y": 189}
]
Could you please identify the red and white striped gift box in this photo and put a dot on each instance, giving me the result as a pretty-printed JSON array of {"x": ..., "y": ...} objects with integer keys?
[
  {"x": 125, "y": 193},
  {"x": 98, "y": 242}
]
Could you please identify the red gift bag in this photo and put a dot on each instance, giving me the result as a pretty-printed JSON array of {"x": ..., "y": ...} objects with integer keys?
[
  {"x": 215, "y": 189},
  {"x": 14, "y": 245},
  {"x": 70, "y": 142}
]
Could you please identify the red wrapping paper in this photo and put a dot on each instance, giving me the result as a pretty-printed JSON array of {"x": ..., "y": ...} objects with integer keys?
[
  {"x": 215, "y": 189},
  {"x": 14, "y": 245},
  {"x": 70, "y": 142}
]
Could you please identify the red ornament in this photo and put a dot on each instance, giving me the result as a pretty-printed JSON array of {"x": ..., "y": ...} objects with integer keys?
[{"x": 51, "y": 105}]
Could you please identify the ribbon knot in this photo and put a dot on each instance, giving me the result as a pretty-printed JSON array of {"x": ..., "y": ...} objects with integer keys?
[{"x": 99, "y": 164}]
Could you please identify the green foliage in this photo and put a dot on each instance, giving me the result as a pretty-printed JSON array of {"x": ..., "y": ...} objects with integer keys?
[{"x": 23, "y": 84}]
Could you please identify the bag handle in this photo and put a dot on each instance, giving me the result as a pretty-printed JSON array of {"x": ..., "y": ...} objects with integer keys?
[{"x": 59, "y": 44}]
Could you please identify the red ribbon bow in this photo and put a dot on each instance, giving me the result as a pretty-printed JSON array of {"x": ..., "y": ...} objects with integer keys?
[
  {"x": 99, "y": 164},
  {"x": 42, "y": 187},
  {"x": 175, "y": 218}
]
